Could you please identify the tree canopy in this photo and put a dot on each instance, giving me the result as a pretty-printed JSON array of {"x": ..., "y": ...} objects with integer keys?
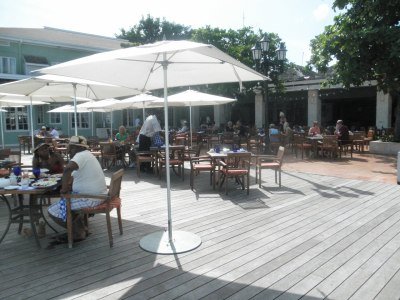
[{"x": 363, "y": 43}]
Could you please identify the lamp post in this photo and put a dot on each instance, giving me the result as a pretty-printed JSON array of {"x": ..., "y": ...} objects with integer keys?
[{"x": 267, "y": 61}]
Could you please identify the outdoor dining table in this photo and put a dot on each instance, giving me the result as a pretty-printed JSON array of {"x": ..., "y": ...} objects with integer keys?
[
  {"x": 314, "y": 139},
  {"x": 33, "y": 210},
  {"x": 221, "y": 155}
]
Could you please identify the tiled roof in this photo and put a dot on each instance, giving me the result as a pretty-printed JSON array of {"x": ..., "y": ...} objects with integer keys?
[{"x": 60, "y": 37}]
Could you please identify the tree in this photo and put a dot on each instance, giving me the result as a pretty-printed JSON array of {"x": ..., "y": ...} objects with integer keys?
[
  {"x": 150, "y": 30},
  {"x": 364, "y": 43}
]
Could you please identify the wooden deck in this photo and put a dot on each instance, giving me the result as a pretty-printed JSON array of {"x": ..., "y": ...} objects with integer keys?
[{"x": 316, "y": 237}]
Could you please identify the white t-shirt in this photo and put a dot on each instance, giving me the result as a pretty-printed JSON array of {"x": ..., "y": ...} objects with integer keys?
[{"x": 89, "y": 178}]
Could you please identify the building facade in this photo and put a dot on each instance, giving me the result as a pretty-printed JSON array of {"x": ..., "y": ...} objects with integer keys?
[{"x": 23, "y": 50}]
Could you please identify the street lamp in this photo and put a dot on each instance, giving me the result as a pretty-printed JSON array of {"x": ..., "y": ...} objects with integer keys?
[{"x": 266, "y": 62}]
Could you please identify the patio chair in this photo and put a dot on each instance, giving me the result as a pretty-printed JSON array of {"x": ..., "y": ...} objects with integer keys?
[
  {"x": 236, "y": 165},
  {"x": 201, "y": 164},
  {"x": 273, "y": 162},
  {"x": 111, "y": 200},
  {"x": 331, "y": 147},
  {"x": 300, "y": 143},
  {"x": 142, "y": 157},
  {"x": 176, "y": 161}
]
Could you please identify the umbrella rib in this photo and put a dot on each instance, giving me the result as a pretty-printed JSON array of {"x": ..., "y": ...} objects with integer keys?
[{"x": 175, "y": 62}]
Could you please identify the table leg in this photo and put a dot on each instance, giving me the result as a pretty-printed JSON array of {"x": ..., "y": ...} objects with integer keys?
[
  {"x": 2, "y": 197},
  {"x": 32, "y": 215}
]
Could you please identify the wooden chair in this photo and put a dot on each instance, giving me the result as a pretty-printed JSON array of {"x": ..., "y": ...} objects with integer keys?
[
  {"x": 144, "y": 157},
  {"x": 111, "y": 200},
  {"x": 273, "y": 162},
  {"x": 201, "y": 164},
  {"x": 359, "y": 140},
  {"x": 25, "y": 143},
  {"x": 236, "y": 165},
  {"x": 330, "y": 146},
  {"x": 254, "y": 143},
  {"x": 275, "y": 141},
  {"x": 108, "y": 154},
  {"x": 176, "y": 161},
  {"x": 300, "y": 143}
]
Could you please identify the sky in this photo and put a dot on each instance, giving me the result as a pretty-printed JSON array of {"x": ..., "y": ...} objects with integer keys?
[{"x": 295, "y": 21}]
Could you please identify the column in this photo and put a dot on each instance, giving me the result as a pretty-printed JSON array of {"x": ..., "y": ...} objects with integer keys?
[
  {"x": 383, "y": 110},
  {"x": 314, "y": 107},
  {"x": 219, "y": 115},
  {"x": 259, "y": 109}
]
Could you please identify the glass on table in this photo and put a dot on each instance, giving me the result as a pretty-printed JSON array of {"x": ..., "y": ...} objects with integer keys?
[
  {"x": 36, "y": 172},
  {"x": 17, "y": 170}
]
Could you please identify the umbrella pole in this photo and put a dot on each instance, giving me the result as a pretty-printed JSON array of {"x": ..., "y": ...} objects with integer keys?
[
  {"x": 92, "y": 123},
  {"x": 75, "y": 112},
  {"x": 190, "y": 120},
  {"x": 2, "y": 129},
  {"x": 179, "y": 241},
  {"x": 31, "y": 117}
]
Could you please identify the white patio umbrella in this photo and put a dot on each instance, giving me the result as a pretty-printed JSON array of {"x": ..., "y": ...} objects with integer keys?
[
  {"x": 19, "y": 101},
  {"x": 194, "y": 98},
  {"x": 53, "y": 85},
  {"x": 154, "y": 66},
  {"x": 106, "y": 105},
  {"x": 142, "y": 101},
  {"x": 70, "y": 109}
]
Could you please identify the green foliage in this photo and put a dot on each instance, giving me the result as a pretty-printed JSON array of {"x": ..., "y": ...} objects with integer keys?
[
  {"x": 150, "y": 30},
  {"x": 364, "y": 42}
]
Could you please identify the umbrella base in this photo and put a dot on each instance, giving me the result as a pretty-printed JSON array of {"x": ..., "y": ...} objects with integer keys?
[{"x": 158, "y": 242}]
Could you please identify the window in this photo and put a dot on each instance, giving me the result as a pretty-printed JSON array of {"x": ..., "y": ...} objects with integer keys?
[
  {"x": 55, "y": 118},
  {"x": 8, "y": 65},
  {"x": 33, "y": 63},
  {"x": 16, "y": 118},
  {"x": 40, "y": 114},
  {"x": 83, "y": 120}
]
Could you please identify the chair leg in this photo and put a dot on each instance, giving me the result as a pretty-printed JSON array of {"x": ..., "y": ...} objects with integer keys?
[
  {"x": 280, "y": 177},
  {"x": 259, "y": 177},
  {"x": 248, "y": 183},
  {"x": 256, "y": 173},
  {"x": 110, "y": 237},
  {"x": 119, "y": 220},
  {"x": 276, "y": 176}
]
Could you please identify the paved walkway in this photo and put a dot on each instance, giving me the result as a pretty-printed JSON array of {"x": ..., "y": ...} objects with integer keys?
[{"x": 364, "y": 166}]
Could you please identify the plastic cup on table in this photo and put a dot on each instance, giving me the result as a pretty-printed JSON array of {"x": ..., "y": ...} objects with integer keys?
[
  {"x": 17, "y": 171},
  {"x": 36, "y": 172}
]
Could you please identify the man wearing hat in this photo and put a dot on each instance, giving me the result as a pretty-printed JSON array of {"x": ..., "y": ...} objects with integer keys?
[
  {"x": 43, "y": 132},
  {"x": 87, "y": 177}
]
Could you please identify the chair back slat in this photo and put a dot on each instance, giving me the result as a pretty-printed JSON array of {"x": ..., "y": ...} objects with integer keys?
[{"x": 115, "y": 184}]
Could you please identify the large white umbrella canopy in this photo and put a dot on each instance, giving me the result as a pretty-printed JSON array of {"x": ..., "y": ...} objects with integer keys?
[
  {"x": 17, "y": 101},
  {"x": 153, "y": 66},
  {"x": 194, "y": 98},
  {"x": 142, "y": 101},
  {"x": 106, "y": 105},
  {"x": 55, "y": 86}
]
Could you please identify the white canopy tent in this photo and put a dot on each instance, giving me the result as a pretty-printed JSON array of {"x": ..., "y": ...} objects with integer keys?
[{"x": 161, "y": 65}]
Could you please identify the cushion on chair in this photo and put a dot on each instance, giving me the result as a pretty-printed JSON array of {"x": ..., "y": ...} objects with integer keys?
[
  {"x": 234, "y": 172},
  {"x": 202, "y": 167},
  {"x": 114, "y": 203},
  {"x": 269, "y": 165}
]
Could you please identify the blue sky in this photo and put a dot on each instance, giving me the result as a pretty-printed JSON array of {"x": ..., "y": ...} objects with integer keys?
[{"x": 295, "y": 21}]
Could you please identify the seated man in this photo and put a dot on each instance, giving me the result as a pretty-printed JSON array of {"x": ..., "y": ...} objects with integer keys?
[{"x": 80, "y": 171}]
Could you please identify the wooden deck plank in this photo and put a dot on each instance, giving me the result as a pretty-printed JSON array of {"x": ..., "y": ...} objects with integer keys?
[{"x": 251, "y": 244}]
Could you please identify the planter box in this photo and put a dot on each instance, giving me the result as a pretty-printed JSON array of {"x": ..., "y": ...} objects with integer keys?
[{"x": 386, "y": 148}]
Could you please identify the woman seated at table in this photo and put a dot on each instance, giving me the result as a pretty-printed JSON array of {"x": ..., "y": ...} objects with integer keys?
[
  {"x": 45, "y": 158},
  {"x": 314, "y": 130},
  {"x": 122, "y": 135}
]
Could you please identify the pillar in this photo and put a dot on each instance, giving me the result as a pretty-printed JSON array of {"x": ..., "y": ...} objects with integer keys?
[
  {"x": 259, "y": 109},
  {"x": 219, "y": 115},
  {"x": 314, "y": 107},
  {"x": 383, "y": 110}
]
